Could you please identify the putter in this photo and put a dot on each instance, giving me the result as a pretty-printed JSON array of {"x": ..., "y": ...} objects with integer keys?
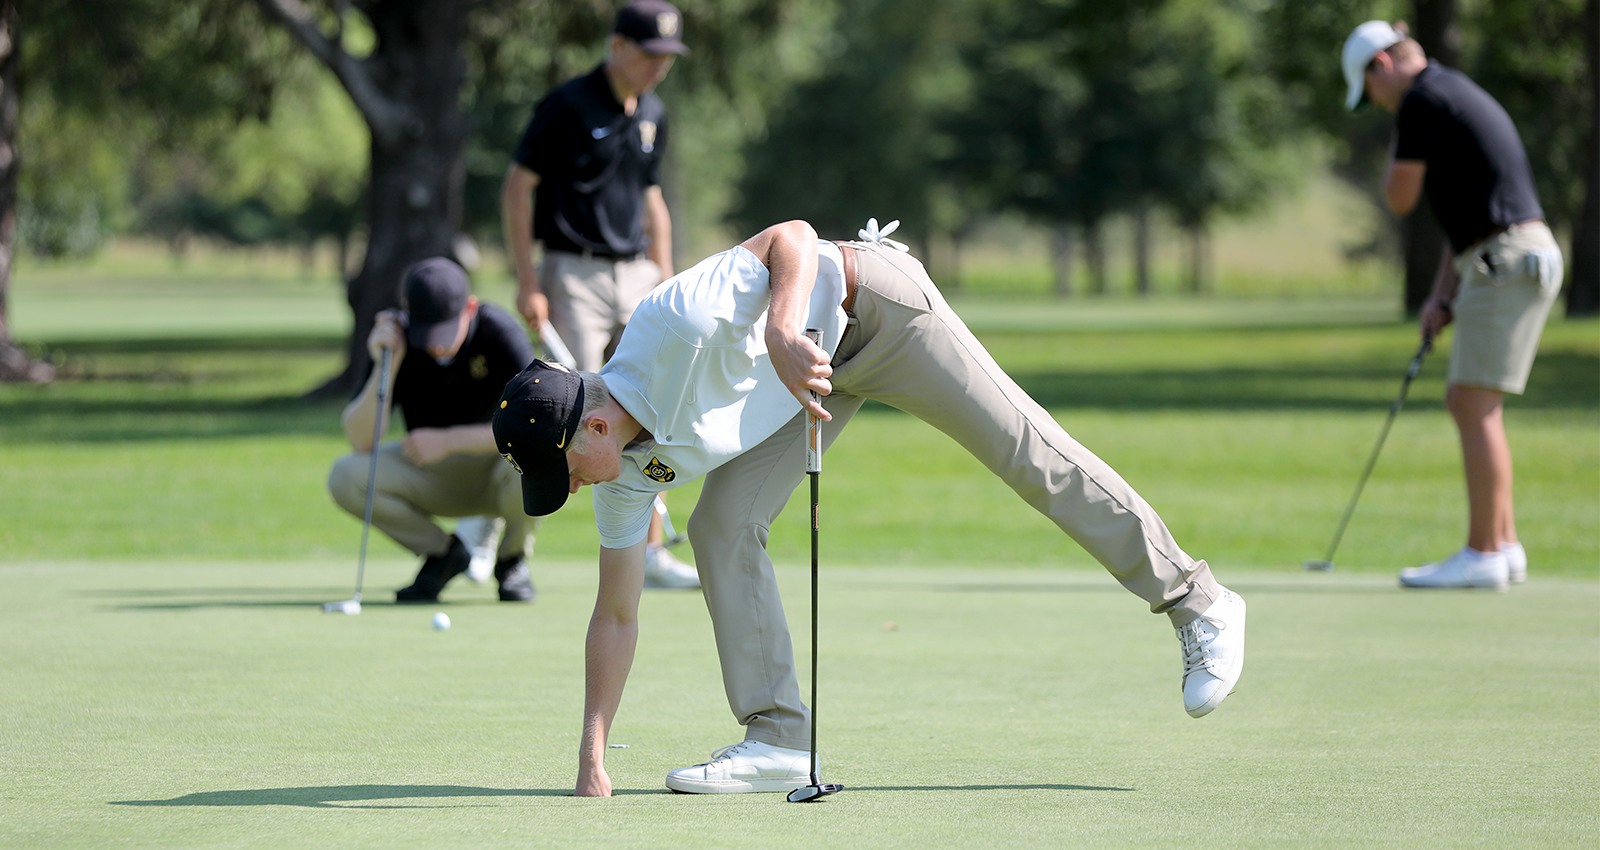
[
  {"x": 817, "y": 789},
  {"x": 353, "y": 605},
  {"x": 558, "y": 352},
  {"x": 1326, "y": 564}
]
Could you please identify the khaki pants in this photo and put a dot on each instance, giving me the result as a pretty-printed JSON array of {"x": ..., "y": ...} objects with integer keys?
[
  {"x": 908, "y": 349},
  {"x": 592, "y": 298},
  {"x": 409, "y": 496}
]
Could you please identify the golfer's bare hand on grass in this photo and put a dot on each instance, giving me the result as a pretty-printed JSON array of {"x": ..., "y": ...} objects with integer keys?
[
  {"x": 803, "y": 367},
  {"x": 593, "y": 782}
]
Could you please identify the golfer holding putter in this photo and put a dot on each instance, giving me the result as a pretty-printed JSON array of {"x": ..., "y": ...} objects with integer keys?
[
  {"x": 1497, "y": 278},
  {"x": 714, "y": 377}
]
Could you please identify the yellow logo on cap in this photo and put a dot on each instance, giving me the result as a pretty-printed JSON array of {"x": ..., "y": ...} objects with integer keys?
[
  {"x": 658, "y": 471},
  {"x": 666, "y": 24},
  {"x": 511, "y": 460}
]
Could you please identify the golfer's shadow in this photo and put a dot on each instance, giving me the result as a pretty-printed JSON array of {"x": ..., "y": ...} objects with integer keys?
[
  {"x": 1019, "y": 787},
  {"x": 343, "y": 796}
]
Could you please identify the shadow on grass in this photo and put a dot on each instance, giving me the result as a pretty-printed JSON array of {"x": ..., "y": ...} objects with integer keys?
[
  {"x": 339, "y": 796},
  {"x": 332, "y": 796}
]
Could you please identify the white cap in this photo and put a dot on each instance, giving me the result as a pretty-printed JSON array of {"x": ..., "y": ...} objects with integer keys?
[{"x": 1359, "y": 48}]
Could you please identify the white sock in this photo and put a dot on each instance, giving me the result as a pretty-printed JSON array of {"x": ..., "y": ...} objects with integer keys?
[{"x": 1508, "y": 548}]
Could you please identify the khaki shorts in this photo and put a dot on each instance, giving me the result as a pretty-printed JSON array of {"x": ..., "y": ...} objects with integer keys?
[
  {"x": 1508, "y": 283},
  {"x": 592, "y": 298}
]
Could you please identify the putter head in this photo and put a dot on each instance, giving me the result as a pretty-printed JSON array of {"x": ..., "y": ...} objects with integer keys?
[
  {"x": 349, "y": 606},
  {"x": 1317, "y": 564},
  {"x": 814, "y": 792}
]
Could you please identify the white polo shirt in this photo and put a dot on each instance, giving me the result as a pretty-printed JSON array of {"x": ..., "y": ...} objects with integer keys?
[{"x": 692, "y": 367}]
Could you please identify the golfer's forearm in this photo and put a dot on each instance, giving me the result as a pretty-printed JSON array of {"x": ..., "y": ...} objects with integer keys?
[
  {"x": 359, "y": 417},
  {"x": 791, "y": 262},
  {"x": 1445, "y": 281},
  {"x": 607, "y": 659},
  {"x": 516, "y": 218},
  {"x": 472, "y": 439},
  {"x": 658, "y": 226}
]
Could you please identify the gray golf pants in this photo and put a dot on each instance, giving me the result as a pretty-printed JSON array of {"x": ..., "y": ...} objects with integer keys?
[
  {"x": 407, "y": 497},
  {"x": 908, "y": 349}
]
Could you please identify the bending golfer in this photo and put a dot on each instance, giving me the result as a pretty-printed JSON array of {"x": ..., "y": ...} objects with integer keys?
[
  {"x": 713, "y": 377},
  {"x": 1497, "y": 278},
  {"x": 451, "y": 358}
]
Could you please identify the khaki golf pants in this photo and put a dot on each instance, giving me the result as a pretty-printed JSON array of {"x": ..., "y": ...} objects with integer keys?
[
  {"x": 592, "y": 298},
  {"x": 905, "y": 347},
  {"x": 407, "y": 497}
]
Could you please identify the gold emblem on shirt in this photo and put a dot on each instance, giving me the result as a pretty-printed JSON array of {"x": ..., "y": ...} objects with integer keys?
[
  {"x": 647, "y": 136},
  {"x": 658, "y": 471},
  {"x": 479, "y": 367}
]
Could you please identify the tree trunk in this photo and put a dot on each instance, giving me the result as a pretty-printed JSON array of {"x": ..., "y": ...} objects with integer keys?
[
  {"x": 414, "y": 190},
  {"x": 1094, "y": 254},
  {"x": 1061, "y": 259},
  {"x": 1199, "y": 259},
  {"x": 1435, "y": 26},
  {"x": 1583, "y": 290},
  {"x": 15, "y": 364},
  {"x": 1141, "y": 250}
]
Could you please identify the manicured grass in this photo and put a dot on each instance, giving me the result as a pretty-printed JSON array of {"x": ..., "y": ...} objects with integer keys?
[
  {"x": 211, "y": 704},
  {"x": 1248, "y": 440},
  {"x": 165, "y": 536}
]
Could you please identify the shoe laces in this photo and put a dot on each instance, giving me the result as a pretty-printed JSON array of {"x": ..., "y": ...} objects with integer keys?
[
  {"x": 727, "y": 752},
  {"x": 1197, "y": 639}
]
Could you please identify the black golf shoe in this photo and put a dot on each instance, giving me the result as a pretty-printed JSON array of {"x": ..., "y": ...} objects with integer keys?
[
  {"x": 436, "y": 572},
  {"x": 515, "y": 585}
]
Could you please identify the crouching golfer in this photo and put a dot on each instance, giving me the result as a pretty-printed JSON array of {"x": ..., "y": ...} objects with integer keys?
[
  {"x": 451, "y": 358},
  {"x": 710, "y": 379}
]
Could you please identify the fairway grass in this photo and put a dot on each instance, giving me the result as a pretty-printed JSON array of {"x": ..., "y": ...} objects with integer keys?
[{"x": 213, "y": 705}]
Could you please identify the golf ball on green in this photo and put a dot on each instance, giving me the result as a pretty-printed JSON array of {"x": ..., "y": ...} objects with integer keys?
[{"x": 441, "y": 621}]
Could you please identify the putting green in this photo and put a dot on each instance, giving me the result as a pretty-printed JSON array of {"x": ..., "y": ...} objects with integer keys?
[{"x": 153, "y": 704}]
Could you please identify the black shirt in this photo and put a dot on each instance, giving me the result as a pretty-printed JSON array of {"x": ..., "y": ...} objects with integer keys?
[
  {"x": 467, "y": 391},
  {"x": 594, "y": 163},
  {"x": 1478, "y": 179}
]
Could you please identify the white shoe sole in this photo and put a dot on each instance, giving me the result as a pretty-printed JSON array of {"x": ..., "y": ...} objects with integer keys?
[
  {"x": 772, "y": 784},
  {"x": 1497, "y": 588}
]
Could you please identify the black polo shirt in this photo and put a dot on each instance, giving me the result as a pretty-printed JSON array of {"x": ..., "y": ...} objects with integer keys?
[
  {"x": 467, "y": 391},
  {"x": 1478, "y": 178},
  {"x": 594, "y": 163}
]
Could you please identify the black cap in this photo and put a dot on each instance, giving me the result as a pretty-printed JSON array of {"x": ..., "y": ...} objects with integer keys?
[
  {"x": 540, "y": 411},
  {"x": 436, "y": 291},
  {"x": 654, "y": 24}
]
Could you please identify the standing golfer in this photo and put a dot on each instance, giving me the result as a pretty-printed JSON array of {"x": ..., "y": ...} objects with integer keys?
[
  {"x": 1496, "y": 280},
  {"x": 714, "y": 378},
  {"x": 585, "y": 182},
  {"x": 452, "y": 357}
]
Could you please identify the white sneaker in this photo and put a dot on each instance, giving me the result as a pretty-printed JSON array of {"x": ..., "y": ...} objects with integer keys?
[
  {"x": 663, "y": 569},
  {"x": 482, "y": 536},
  {"x": 1466, "y": 568},
  {"x": 1213, "y": 654},
  {"x": 744, "y": 768},
  {"x": 1516, "y": 562}
]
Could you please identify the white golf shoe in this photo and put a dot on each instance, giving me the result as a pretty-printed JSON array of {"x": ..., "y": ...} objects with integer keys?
[
  {"x": 482, "y": 536},
  {"x": 747, "y": 767},
  {"x": 1516, "y": 562},
  {"x": 1467, "y": 568},
  {"x": 663, "y": 569},
  {"x": 1213, "y": 654}
]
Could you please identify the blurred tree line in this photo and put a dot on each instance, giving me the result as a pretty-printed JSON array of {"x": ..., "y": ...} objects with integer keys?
[{"x": 386, "y": 126}]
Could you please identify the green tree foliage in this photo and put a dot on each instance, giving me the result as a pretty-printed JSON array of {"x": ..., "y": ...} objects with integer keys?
[
  {"x": 1083, "y": 109},
  {"x": 860, "y": 139}
]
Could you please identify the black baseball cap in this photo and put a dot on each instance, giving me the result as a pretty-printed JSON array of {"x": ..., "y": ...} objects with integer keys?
[
  {"x": 436, "y": 291},
  {"x": 540, "y": 411},
  {"x": 655, "y": 25}
]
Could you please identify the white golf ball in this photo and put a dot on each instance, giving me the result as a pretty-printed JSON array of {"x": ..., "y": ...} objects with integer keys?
[{"x": 441, "y": 621}]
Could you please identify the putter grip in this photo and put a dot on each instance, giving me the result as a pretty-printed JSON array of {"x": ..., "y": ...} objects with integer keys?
[{"x": 813, "y": 427}]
